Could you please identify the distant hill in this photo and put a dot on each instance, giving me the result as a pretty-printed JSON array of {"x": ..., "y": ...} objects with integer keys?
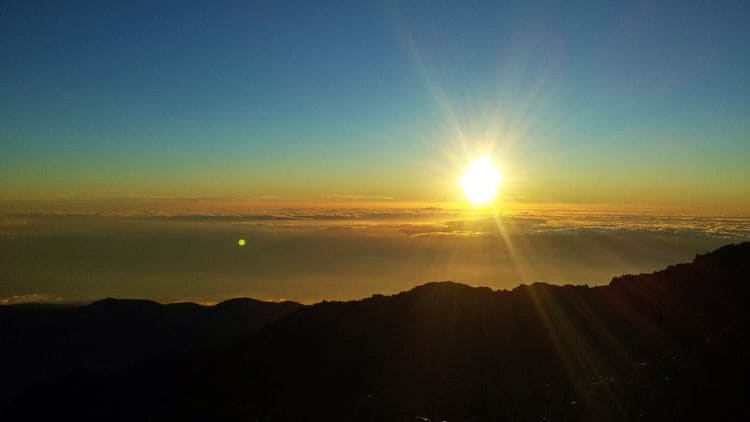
[
  {"x": 40, "y": 342},
  {"x": 670, "y": 345}
]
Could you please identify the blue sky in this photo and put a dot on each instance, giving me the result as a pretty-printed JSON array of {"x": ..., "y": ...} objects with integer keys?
[{"x": 637, "y": 101}]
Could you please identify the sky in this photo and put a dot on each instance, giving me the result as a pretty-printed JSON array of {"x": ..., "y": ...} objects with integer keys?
[
  {"x": 140, "y": 141},
  {"x": 577, "y": 102}
]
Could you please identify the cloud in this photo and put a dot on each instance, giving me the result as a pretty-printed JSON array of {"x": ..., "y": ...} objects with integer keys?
[
  {"x": 417, "y": 222},
  {"x": 313, "y": 254},
  {"x": 360, "y": 197},
  {"x": 28, "y": 298}
]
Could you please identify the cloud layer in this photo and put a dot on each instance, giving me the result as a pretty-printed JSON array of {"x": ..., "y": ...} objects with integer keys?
[{"x": 314, "y": 254}]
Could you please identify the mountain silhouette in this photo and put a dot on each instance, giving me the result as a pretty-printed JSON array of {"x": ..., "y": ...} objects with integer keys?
[
  {"x": 669, "y": 345},
  {"x": 42, "y": 342}
]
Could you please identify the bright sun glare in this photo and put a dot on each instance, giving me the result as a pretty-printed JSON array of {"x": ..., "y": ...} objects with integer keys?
[{"x": 480, "y": 181}]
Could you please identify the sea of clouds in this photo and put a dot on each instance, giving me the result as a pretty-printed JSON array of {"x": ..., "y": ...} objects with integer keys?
[{"x": 310, "y": 254}]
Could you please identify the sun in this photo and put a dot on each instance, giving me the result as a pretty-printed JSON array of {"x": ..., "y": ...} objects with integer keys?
[{"x": 480, "y": 182}]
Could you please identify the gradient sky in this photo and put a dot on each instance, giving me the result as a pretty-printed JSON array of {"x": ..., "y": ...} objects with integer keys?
[{"x": 580, "y": 102}]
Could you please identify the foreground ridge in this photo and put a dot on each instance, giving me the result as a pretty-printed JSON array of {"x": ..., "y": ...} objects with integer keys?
[{"x": 660, "y": 346}]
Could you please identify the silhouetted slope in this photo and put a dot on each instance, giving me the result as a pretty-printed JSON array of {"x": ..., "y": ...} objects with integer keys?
[
  {"x": 43, "y": 343},
  {"x": 667, "y": 345}
]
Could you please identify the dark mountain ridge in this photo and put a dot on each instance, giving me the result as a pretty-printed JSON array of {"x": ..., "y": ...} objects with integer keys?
[
  {"x": 662, "y": 346},
  {"x": 42, "y": 342}
]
